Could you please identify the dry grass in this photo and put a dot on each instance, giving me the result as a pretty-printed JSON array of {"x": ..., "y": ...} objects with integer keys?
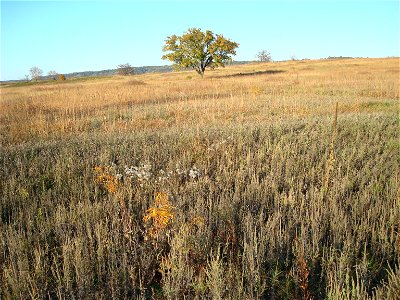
[
  {"x": 269, "y": 199},
  {"x": 159, "y": 101}
]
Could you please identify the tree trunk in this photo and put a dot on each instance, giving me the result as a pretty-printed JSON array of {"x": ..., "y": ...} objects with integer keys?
[{"x": 202, "y": 72}]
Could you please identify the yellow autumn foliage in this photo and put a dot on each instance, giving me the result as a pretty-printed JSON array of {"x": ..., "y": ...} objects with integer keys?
[
  {"x": 105, "y": 179},
  {"x": 160, "y": 214}
]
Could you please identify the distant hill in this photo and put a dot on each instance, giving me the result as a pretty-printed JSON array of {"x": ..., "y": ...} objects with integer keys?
[
  {"x": 138, "y": 70},
  {"x": 111, "y": 72}
]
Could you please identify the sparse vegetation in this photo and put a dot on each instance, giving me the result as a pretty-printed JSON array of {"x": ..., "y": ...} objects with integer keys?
[
  {"x": 125, "y": 69},
  {"x": 53, "y": 75},
  {"x": 61, "y": 77},
  {"x": 248, "y": 184},
  {"x": 35, "y": 73},
  {"x": 264, "y": 56}
]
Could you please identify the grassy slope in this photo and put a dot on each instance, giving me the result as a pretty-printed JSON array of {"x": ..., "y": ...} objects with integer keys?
[{"x": 287, "y": 204}]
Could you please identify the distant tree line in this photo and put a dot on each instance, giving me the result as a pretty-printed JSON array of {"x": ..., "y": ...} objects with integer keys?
[{"x": 35, "y": 74}]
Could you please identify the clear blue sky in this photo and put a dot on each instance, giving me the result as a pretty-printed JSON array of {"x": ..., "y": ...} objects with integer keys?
[{"x": 89, "y": 35}]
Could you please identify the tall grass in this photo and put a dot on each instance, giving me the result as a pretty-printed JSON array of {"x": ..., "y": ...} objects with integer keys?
[{"x": 262, "y": 197}]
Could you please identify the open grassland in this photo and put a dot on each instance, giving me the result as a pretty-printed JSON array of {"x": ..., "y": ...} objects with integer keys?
[{"x": 261, "y": 181}]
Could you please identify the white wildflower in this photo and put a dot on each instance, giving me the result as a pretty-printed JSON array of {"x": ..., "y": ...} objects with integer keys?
[
  {"x": 142, "y": 173},
  {"x": 194, "y": 173}
]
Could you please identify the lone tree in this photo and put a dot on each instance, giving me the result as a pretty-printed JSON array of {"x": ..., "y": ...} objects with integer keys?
[
  {"x": 35, "y": 72},
  {"x": 52, "y": 74},
  {"x": 198, "y": 50},
  {"x": 264, "y": 56},
  {"x": 125, "y": 69}
]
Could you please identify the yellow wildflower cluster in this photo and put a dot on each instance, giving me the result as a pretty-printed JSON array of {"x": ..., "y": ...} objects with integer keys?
[
  {"x": 161, "y": 214},
  {"x": 105, "y": 179}
]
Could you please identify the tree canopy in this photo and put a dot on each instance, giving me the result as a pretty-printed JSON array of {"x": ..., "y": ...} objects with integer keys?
[{"x": 198, "y": 50}]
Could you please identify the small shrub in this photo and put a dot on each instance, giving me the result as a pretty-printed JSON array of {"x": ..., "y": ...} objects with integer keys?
[
  {"x": 61, "y": 77},
  {"x": 105, "y": 179},
  {"x": 160, "y": 214}
]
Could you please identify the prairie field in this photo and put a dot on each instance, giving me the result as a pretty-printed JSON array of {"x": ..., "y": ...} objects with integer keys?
[{"x": 259, "y": 181}]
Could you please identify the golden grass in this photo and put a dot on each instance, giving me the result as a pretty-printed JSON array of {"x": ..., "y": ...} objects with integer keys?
[
  {"x": 262, "y": 197},
  {"x": 250, "y": 93}
]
